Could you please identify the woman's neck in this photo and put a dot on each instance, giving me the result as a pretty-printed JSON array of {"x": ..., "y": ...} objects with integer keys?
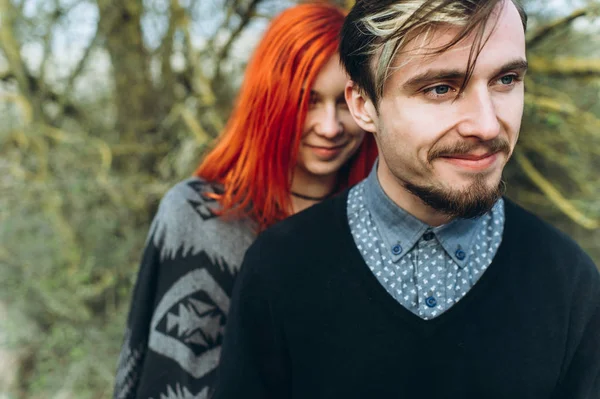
[{"x": 309, "y": 190}]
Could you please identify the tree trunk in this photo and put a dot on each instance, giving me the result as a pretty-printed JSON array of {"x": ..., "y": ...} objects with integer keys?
[{"x": 136, "y": 98}]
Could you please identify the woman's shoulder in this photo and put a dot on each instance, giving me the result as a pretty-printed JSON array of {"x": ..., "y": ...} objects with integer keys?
[
  {"x": 188, "y": 220},
  {"x": 193, "y": 192}
]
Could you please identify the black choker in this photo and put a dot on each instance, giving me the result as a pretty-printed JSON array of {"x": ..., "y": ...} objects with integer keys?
[{"x": 309, "y": 198}]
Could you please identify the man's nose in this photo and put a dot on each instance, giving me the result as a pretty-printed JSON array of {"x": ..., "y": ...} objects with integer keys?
[{"x": 480, "y": 117}]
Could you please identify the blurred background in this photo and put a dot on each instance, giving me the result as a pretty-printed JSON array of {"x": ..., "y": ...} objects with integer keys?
[{"x": 105, "y": 104}]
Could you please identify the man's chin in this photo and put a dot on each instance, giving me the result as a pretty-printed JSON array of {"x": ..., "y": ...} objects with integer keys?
[{"x": 466, "y": 201}]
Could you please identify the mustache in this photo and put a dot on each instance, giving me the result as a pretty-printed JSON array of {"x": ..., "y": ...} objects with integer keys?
[{"x": 464, "y": 147}]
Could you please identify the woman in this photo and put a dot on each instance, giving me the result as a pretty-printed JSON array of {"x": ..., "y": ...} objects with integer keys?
[{"x": 289, "y": 143}]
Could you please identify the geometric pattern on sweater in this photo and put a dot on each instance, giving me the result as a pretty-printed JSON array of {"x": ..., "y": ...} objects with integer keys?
[
  {"x": 182, "y": 393},
  {"x": 426, "y": 279},
  {"x": 127, "y": 376},
  {"x": 181, "y": 297}
]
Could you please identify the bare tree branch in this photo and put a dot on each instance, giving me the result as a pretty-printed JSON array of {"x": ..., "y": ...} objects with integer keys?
[
  {"x": 165, "y": 51},
  {"x": 542, "y": 32},
  {"x": 68, "y": 108},
  {"x": 6, "y": 75},
  {"x": 10, "y": 47},
  {"x": 245, "y": 16},
  {"x": 135, "y": 94},
  {"x": 63, "y": 102},
  {"x": 563, "y": 67},
  {"x": 230, "y": 10},
  {"x": 554, "y": 195},
  {"x": 20, "y": 6},
  {"x": 81, "y": 63},
  {"x": 47, "y": 48}
]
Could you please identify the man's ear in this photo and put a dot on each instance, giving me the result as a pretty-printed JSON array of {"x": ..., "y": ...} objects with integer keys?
[{"x": 361, "y": 107}]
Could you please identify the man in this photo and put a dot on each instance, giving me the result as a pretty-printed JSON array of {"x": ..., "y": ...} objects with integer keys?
[{"x": 421, "y": 281}]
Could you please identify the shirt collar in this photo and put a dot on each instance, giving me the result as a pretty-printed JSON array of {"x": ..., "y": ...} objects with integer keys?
[{"x": 400, "y": 230}]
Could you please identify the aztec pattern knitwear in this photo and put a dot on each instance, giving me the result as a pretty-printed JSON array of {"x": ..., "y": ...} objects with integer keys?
[{"x": 181, "y": 299}]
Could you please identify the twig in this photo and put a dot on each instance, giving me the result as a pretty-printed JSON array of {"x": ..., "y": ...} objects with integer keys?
[
  {"x": 553, "y": 194},
  {"x": 568, "y": 109},
  {"x": 81, "y": 64},
  {"x": 7, "y": 75},
  {"x": 224, "y": 52},
  {"x": 562, "y": 67},
  {"x": 47, "y": 48},
  {"x": 63, "y": 99},
  {"x": 541, "y": 33},
  {"x": 11, "y": 49}
]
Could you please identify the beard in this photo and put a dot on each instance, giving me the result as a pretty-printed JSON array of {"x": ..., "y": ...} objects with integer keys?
[{"x": 473, "y": 201}]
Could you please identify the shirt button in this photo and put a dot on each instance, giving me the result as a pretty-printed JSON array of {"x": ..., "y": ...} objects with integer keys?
[
  {"x": 428, "y": 236},
  {"x": 460, "y": 254},
  {"x": 397, "y": 249},
  {"x": 431, "y": 302}
]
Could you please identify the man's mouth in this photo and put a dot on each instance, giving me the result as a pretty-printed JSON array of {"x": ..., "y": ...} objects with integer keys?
[
  {"x": 473, "y": 162},
  {"x": 470, "y": 157}
]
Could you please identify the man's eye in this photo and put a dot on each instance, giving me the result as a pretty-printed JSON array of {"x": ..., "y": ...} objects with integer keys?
[
  {"x": 442, "y": 89},
  {"x": 439, "y": 91},
  {"x": 507, "y": 79}
]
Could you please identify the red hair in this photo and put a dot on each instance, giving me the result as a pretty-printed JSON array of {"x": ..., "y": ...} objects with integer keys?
[{"x": 257, "y": 151}]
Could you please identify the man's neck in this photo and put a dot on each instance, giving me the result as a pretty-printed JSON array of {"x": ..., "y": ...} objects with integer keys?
[{"x": 407, "y": 200}]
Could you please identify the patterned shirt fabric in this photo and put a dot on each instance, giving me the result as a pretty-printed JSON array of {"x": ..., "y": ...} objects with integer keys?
[
  {"x": 181, "y": 298},
  {"x": 426, "y": 269}
]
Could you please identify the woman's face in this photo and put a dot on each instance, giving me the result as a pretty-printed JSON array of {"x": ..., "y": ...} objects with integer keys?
[{"x": 330, "y": 135}]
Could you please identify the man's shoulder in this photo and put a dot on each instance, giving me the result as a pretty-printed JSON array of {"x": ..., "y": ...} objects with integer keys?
[
  {"x": 303, "y": 239},
  {"x": 310, "y": 224},
  {"x": 289, "y": 255},
  {"x": 528, "y": 233},
  {"x": 533, "y": 228}
]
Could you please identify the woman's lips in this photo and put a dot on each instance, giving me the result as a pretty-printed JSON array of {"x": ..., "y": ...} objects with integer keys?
[{"x": 326, "y": 152}]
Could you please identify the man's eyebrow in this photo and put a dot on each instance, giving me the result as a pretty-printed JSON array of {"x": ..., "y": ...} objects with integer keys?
[
  {"x": 436, "y": 75},
  {"x": 433, "y": 75},
  {"x": 519, "y": 65}
]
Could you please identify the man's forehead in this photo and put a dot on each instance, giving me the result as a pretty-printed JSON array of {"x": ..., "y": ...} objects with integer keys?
[{"x": 503, "y": 41}]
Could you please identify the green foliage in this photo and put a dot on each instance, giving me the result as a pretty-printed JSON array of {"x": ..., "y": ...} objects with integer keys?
[
  {"x": 74, "y": 216},
  {"x": 554, "y": 172},
  {"x": 69, "y": 254}
]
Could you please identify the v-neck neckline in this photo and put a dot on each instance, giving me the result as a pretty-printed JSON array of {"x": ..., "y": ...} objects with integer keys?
[{"x": 374, "y": 289}]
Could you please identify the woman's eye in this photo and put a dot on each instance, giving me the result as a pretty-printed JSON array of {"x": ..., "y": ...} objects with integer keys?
[{"x": 342, "y": 104}]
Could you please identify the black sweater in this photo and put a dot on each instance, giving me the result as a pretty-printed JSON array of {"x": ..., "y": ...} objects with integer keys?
[{"x": 309, "y": 320}]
